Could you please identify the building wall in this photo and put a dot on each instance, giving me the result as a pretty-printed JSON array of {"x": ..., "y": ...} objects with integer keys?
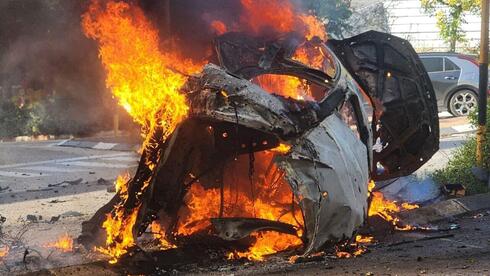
[{"x": 408, "y": 20}]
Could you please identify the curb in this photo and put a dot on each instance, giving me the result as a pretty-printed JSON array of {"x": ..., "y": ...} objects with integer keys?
[
  {"x": 459, "y": 129},
  {"x": 446, "y": 209},
  {"x": 98, "y": 145}
]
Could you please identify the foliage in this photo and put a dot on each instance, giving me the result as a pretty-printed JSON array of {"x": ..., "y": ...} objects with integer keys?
[
  {"x": 334, "y": 12},
  {"x": 13, "y": 119},
  {"x": 55, "y": 115},
  {"x": 458, "y": 169},
  {"x": 450, "y": 17}
]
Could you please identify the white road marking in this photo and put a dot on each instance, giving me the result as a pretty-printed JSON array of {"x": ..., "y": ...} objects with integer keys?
[
  {"x": 123, "y": 159},
  {"x": 57, "y": 161},
  {"x": 53, "y": 169},
  {"x": 104, "y": 146},
  {"x": 96, "y": 164},
  {"x": 58, "y": 143},
  {"x": 20, "y": 174}
]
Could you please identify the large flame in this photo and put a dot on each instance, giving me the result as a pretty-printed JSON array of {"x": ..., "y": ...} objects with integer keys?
[
  {"x": 273, "y": 201},
  {"x": 144, "y": 79},
  {"x": 146, "y": 82}
]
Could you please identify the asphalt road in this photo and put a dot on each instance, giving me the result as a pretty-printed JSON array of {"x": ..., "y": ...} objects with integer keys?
[{"x": 34, "y": 166}]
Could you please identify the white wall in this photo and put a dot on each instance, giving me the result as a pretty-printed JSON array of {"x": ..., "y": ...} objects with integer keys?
[{"x": 408, "y": 20}]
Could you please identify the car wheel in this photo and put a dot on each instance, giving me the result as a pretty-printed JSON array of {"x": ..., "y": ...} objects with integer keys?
[{"x": 462, "y": 102}]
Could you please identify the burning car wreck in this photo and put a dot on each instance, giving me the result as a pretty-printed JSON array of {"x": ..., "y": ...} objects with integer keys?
[{"x": 291, "y": 169}]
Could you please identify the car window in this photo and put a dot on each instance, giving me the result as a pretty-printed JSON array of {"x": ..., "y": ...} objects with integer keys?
[
  {"x": 449, "y": 65},
  {"x": 433, "y": 64}
]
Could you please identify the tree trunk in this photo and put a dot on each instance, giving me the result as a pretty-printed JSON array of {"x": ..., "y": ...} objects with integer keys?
[{"x": 452, "y": 45}]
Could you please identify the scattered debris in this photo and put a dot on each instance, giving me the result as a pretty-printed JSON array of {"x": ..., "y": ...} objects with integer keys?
[
  {"x": 454, "y": 190},
  {"x": 111, "y": 189},
  {"x": 57, "y": 201},
  {"x": 453, "y": 226},
  {"x": 2, "y": 221},
  {"x": 54, "y": 219},
  {"x": 71, "y": 214},
  {"x": 102, "y": 181},
  {"x": 72, "y": 182},
  {"x": 318, "y": 257},
  {"x": 32, "y": 218},
  {"x": 40, "y": 190}
]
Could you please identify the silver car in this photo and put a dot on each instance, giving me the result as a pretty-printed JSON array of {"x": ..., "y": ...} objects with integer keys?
[{"x": 455, "y": 81}]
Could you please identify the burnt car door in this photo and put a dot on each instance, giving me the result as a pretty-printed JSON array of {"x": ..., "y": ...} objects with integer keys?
[{"x": 405, "y": 123}]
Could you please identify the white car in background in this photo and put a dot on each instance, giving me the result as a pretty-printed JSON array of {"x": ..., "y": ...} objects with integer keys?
[{"x": 455, "y": 81}]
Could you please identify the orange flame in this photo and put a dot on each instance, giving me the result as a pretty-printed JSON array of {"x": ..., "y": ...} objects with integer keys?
[
  {"x": 219, "y": 27},
  {"x": 143, "y": 79},
  {"x": 276, "y": 14},
  {"x": 4, "y": 251},
  {"x": 287, "y": 86},
  {"x": 64, "y": 243},
  {"x": 387, "y": 209},
  {"x": 121, "y": 181},
  {"x": 364, "y": 239},
  {"x": 343, "y": 254},
  {"x": 272, "y": 202},
  {"x": 119, "y": 229},
  {"x": 159, "y": 234},
  {"x": 279, "y": 16},
  {"x": 282, "y": 148}
]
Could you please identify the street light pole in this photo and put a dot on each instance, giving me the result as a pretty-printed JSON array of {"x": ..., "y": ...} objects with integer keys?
[{"x": 483, "y": 84}]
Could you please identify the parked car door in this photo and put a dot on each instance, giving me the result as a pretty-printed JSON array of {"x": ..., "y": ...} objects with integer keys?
[{"x": 444, "y": 75}]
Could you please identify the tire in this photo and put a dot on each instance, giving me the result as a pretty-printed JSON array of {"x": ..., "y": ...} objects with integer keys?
[{"x": 462, "y": 102}]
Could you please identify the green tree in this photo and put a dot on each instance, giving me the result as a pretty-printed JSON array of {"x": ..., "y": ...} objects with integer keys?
[
  {"x": 450, "y": 17},
  {"x": 335, "y": 14}
]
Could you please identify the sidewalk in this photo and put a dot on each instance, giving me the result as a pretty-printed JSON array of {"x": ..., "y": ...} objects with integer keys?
[
  {"x": 104, "y": 141},
  {"x": 454, "y": 125}
]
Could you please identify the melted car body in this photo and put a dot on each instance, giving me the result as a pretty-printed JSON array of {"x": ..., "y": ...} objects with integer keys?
[{"x": 370, "y": 114}]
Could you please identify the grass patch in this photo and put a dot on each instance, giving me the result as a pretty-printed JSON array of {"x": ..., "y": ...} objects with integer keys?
[{"x": 458, "y": 169}]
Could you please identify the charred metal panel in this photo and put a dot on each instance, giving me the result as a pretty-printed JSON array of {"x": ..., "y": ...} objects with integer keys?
[
  {"x": 328, "y": 171},
  {"x": 217, "y": 95},
  {"x": 239, "y": 228},
  {"x": 248, "y": 57},
  {"x": 389, "y": 70}
]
